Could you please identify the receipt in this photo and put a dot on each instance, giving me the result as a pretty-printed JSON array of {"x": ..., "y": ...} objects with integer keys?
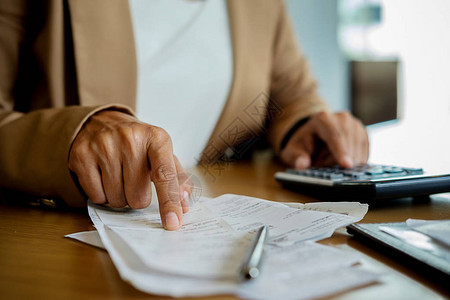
[
  {"x": 205, "y": 246},
  {"x": 202, "y": 258},
  {"x": 354, "y": 209},
  {"x": 287, "y": 225}
]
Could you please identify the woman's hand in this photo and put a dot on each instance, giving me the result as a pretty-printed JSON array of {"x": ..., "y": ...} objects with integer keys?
[
  {"x": 328, "y": 139},
  {"x": 116, "y": 157}
]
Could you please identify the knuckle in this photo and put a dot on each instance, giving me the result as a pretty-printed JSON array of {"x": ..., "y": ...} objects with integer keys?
[
  {"x": 164, "y": 173},
  {"x": 160, "y": 136},
  {"x": 336, "y": 134},
  {"x": 103, "y": 139},
  {"x": 104, "y": 145},
  {"x": 127, "y": 134},
  {"x": 129, "y": 139},
  {"x": 344, "y": 119},
  {"x": 345, "y": 114},
  {"x": 321, "y": 116},
  {"x": 77, "y": 156}
]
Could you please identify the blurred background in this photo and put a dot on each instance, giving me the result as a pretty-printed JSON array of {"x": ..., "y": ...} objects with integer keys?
[{"x": 389, "y": 63}]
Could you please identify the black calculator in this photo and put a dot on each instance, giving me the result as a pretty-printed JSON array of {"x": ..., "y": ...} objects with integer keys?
[{"x": 363, "y": 183}]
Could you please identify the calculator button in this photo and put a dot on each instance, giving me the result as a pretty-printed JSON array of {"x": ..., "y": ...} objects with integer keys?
[
  {"x": 335, "y": 176},
  {"x": 358, "y": 175},
  {"x": 359, "y": 172},
  {"x": 295, "y": 171},
  {"x": 316, "y": 173},
  {"x": 374, "y": 172},
  {"x": 414, "y": 170},
  {"x": 349, "y": 172},
  {"x": 308, "y": 172},
  {"x": 393, "y": 170}
]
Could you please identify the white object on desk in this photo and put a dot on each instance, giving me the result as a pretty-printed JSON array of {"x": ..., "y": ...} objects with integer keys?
[
  {"x": 296, "y": 270},
  {"x": 88, "y": 237}
]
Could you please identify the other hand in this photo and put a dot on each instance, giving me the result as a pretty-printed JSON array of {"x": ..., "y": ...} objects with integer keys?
[
  {"x": 328, "y": 139},
  {"x": 116, "y": 157}
]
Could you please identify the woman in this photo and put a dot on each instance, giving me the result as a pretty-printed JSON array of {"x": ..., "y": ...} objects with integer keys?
[{"x": 74, "y": 72}]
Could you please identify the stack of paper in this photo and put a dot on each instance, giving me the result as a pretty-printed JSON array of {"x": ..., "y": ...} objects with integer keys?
[{"x": 203, "y": 257}]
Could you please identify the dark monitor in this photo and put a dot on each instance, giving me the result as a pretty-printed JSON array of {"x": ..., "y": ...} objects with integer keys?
[{"x": 374, "y": 90}]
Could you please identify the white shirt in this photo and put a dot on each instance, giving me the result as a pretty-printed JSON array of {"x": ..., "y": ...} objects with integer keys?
[{"x": 185, "y": 69}]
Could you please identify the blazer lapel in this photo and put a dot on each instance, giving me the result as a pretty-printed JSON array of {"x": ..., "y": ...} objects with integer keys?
[{"x": 105, "y": 57}]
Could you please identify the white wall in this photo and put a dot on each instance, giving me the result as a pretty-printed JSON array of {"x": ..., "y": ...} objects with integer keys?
[
  {"x": 316, "y": 25},
  {"x": 416, "y": 31},
  {"x": 419, "y": 31}
]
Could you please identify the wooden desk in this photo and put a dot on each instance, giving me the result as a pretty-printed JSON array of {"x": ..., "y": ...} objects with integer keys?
[{"x": 37, "y": 262}]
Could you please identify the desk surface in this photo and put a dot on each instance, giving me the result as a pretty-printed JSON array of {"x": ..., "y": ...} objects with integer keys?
[{"x": 36, "y": 261}]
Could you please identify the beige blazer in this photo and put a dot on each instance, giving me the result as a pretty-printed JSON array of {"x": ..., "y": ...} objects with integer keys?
[{"x": 64, "y": 61}]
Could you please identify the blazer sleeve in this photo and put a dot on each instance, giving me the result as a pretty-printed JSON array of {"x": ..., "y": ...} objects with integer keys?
[
  {"x": 293, "y": 89},
  {"x": 34, "y": 146}
]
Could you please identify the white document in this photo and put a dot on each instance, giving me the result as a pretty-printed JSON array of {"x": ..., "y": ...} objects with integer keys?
[
  {"x": 88, "y": 237},
  {"x": 203, "y": 257},
  {"x": 313, "y": 285},
  {"x": 209, "y": 248},
  {"x": 287, "y": 225},
  {"x": 353, "y": 209},
  {"x": 133, "y": 270},
  {"x": 220, "y": 246}
]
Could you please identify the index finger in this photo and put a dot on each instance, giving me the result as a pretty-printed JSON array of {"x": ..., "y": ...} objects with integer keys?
[
  {"x": 332, "y": 135},
  {"x": 165, "y": 178}
]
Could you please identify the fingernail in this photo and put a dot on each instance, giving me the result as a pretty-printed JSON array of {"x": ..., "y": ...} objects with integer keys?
[
  {"x": 172, "y": 221},
  {"x": 186, "y": 196}
]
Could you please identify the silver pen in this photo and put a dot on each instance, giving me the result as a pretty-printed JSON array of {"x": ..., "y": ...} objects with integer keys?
[{"x": 251, "y": 267}]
